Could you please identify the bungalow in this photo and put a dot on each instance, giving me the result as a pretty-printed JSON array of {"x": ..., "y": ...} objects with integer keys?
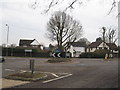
[
  {"x": 77, "y": 48},
  {"x": 30, "y": 43}
]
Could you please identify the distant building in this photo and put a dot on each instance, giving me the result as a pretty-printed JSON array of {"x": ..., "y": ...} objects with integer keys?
[
  {"x": 4, "y": 45},
  {"x": 77, "y": 48},
  {"x": 30, "y": 43},
  {"x": 113, "y": 47},
  {"x": 101, "y": 45}
]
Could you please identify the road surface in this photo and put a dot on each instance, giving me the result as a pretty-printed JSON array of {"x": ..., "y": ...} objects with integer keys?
[{"x": 83, "y": 73}]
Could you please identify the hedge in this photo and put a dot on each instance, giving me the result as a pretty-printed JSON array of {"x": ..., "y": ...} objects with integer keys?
[
  {"x": 95, "y": 54},
  {"x": 21, "y": 53}
]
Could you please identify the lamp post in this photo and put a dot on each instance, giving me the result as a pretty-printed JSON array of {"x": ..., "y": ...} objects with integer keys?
[{"x": 7, "y": 38}]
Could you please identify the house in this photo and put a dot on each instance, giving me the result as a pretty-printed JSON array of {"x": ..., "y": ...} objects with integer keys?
[
  {"x": 77, "y": 48},
  {"x": 97, "y": 45},
  {"x": 30, "y": 43},
  {"x": 113, "y": 47}
]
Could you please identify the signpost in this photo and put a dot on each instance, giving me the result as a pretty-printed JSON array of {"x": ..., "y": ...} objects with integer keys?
[
  {"x": 57, "y": 53},
  {"x": 28, "y": 51},
  {"x": 32, "y": 66}
]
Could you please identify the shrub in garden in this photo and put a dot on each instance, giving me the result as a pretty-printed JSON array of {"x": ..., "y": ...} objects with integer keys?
[
  {"x": 86, "y": 55},
  {"x": 101, "y": 53}
]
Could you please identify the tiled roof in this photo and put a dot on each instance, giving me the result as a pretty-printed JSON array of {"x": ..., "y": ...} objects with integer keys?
[
  {"x": 25, "y": 42},
  {"x": 94, "y": 44},
  {"x": 112, "y": 45},
  {"x": 97, "y": 43},
  {"x": 79, "y": 44}
]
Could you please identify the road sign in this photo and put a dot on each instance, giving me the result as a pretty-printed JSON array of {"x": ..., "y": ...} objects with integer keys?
[
  {"x": 53, "y": 55},
  {"x": 26, "y": 50},
  {"x": 58, "y": 54}
]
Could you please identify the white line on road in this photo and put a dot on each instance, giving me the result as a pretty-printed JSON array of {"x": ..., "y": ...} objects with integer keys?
[
  {"x": 22, "y": 71},
  {"x": 54, "y": 75},
  {"x": 9, "y": 70},
  {"x": 56, "y": 78}
]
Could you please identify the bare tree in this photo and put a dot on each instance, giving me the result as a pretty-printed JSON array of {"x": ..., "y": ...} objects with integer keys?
[
  {"x": 85, "y": 40},
  {"x": 63, "y": 28},
  {"x": 71, "y": 3},
  {"x": 109, "y": 35},
  {"x": 114, "y": 5},
  {"x": 103, "y": 31},
  {"x": 53, "y": 3}
]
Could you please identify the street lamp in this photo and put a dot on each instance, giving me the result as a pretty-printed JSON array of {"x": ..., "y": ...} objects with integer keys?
[{"x": 7, "y": 38}]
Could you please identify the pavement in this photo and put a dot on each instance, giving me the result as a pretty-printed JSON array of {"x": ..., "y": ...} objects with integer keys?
[
  {"x": 79, "y": 73},
  {"x": 6, "y": 83}
]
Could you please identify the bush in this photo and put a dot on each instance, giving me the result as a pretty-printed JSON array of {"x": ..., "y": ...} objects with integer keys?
[
  {"x": 96, "y": 54},
  {"x": 86, "y": 55},
  {"x": 101, "y": 53},
  {"x": 27, "y": 76},
  {"x": 20, "y": 52}
]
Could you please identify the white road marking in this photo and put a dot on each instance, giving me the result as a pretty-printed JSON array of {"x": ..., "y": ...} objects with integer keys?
[
  {"x": 64, "y": 73},
  {"x": 54, "y": 75},
  {"x": 9, "y": 70},
  {"x": 22, "y": 71},
  {"x": 56, "y": 78}
]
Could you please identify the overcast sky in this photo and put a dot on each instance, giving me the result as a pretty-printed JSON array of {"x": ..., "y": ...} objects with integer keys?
[{"x": 27, "y": 23}]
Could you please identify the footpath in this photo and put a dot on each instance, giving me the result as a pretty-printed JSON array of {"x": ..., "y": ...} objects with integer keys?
[{"x": 6, "y": 83}]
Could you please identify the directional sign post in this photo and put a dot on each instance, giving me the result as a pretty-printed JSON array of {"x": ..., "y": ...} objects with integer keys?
[
  {"x": 58, "y": 54},
  {"x": 54, "y": 55},
  {"x": 29, "y": 51}
]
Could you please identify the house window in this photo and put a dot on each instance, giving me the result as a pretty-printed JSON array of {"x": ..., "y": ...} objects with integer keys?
[
  {"x": 91, "y": 48},
  {"x": 100, "y": 47},
  {"x": 105, "y": 48}
]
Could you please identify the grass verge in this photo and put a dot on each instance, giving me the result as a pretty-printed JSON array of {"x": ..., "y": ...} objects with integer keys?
[
  {"x": 58, "y": 60},
  {"x": 27, "y": 76}
]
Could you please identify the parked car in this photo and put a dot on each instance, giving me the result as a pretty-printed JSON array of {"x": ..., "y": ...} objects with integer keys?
[{"x": 2, "y": 59}]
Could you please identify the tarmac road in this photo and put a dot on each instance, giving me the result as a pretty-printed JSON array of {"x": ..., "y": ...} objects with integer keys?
[{"x": 86, "y": 73}]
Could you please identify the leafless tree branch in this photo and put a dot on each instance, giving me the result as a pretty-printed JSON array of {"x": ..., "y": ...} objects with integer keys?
[
  {"x": 113, "y": 6},
  {"x": 63, "y": 28},
  {"x": 71, "y": 5}
]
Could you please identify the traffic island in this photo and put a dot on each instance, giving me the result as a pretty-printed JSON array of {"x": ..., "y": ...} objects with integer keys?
[
  {"x": 27, "y": 76},
  {"x": 58, "y": 60}
]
